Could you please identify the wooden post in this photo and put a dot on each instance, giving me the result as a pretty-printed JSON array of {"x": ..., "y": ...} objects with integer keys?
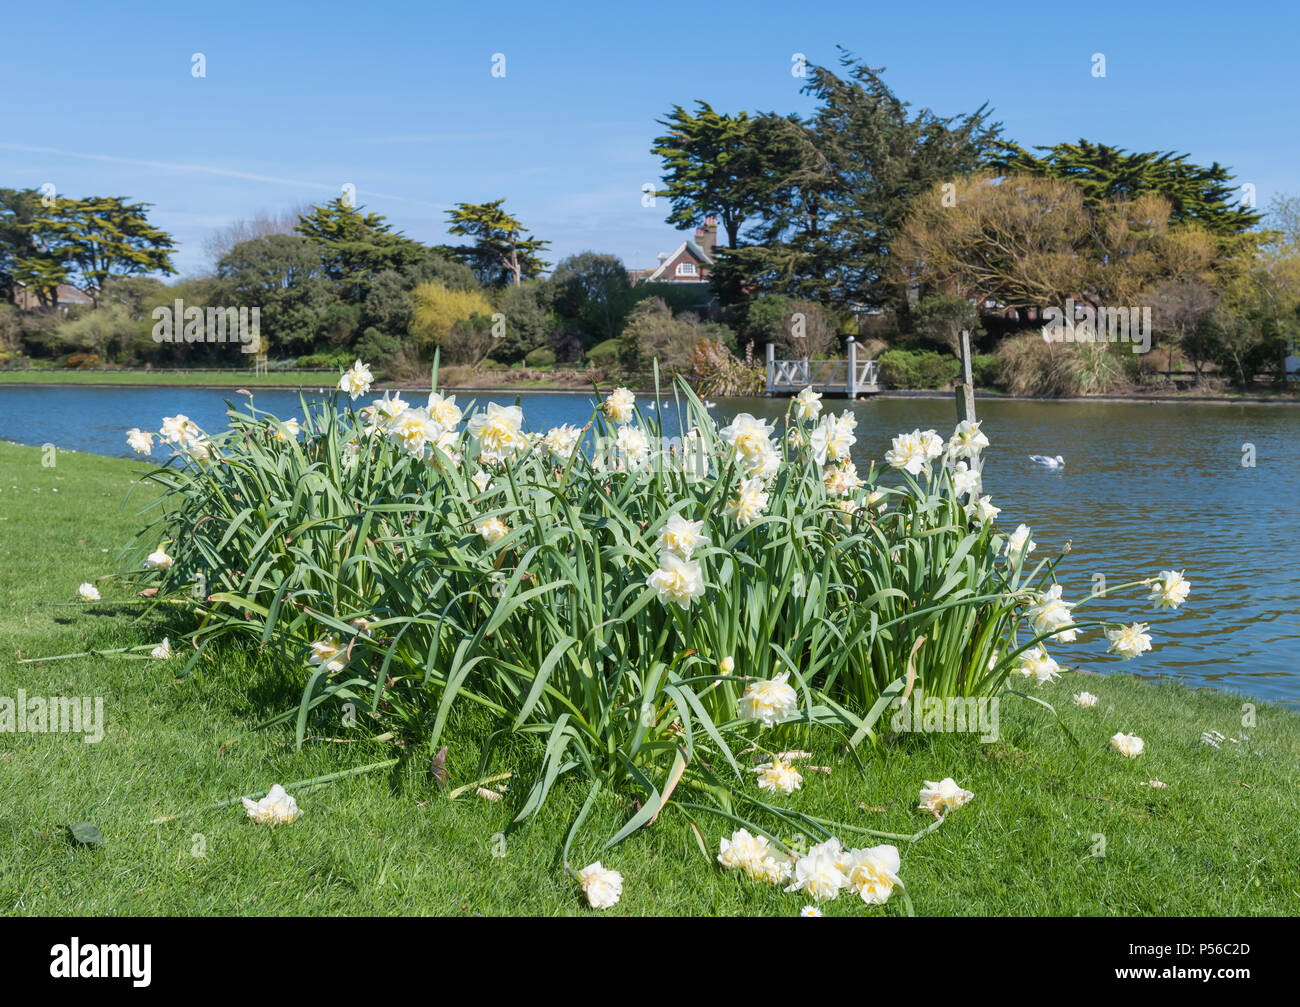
[
  {"x": 965, "y": 388},
  {"x": 852, "y": 385},
  {"x": 771, "y": 367}
]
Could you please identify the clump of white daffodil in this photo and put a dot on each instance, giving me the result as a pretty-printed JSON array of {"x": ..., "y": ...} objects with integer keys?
[{"x": 644, "y": 593}]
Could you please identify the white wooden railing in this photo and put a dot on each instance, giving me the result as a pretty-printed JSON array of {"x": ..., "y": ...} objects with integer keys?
[{"x": 846, "y": 376}]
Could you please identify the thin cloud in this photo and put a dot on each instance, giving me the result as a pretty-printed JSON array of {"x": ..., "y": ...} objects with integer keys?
[{"x": 204, "y": 169}]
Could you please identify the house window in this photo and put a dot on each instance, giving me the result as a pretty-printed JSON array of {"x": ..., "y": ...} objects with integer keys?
[{"x": 687, "y": 269}]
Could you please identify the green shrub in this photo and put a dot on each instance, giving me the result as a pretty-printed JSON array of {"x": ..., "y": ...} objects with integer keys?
[
  {"x": 918, "y": 369},
  {"x": 543, "y": 356},
  {"x": 377, "y": 345},
  {"x": 986, "y": 370},
  {"x": 605, "y": 354},
  {"x": 329, "y": 360}
]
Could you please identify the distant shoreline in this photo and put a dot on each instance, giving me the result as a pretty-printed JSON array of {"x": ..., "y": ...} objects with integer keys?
[{"x": 985, "y": 394}]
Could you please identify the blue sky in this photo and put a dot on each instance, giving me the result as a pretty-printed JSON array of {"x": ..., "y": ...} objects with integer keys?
[{"x": 399, "y": 100}]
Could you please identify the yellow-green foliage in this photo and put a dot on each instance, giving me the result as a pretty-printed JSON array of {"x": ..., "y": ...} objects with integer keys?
[{"x": 438, "y": 308}]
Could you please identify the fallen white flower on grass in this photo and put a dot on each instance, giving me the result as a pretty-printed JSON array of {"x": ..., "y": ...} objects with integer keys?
[
  {"x": 1154, "y": 784},
  {"x": 938, "y": 798},
  {"x": 1213, "y": 738},
  {"x": 620, "y": 406},
  {"x": 778, "y": 775},
  {"x": 157, "y": 560},
  {"x": 811, "y": 911},
  {"x": 602, "y": 886},
  {"x": 163, "y": 651},
  {"x": 873, "y": 873},
  {"x": 753, "y": 855},
  {"x": 1129, "y": 641},
  {"x": 1085, "y": 699},
  {"x": 356, "y": 380},
  {"x": 88, "y": 592},
  {"x": 677, "y": 580},
  {"x": 819, "y": 875},
  {"x": 1127, "y": 744},
  {"x": 276, "y": 808},
  {"x": 768, "y": 701},
  {"x": 140, "y": 442},
  {"x": 1171, "y": 590}
]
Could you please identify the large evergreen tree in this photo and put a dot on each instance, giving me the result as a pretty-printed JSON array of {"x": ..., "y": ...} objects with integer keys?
[
  {"x": 100, "y": 238},
  {"x": 356, "y": 246},
  {"x": 1195, "y": 193},
  {"x": 24, "y": 258},
  {"x": 502, "y": 252},
  {"x": 822, "y": 197},
  {"x": 712, "y": 165}
]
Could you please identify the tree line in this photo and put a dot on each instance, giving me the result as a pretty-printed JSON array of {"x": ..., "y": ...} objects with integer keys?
[{"x": 866, "y": 217}]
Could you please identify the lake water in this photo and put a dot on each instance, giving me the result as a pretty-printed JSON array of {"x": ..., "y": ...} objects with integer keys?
[{"x": 1146, "y": 487}]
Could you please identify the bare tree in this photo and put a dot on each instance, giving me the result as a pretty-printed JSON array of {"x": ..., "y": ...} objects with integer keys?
[
  {"x": 261, "y": 225},
  {"x": 1180, "y": 309}
]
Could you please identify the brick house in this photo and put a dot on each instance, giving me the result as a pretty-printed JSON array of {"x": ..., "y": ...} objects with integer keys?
[
  {"x": 66, "y": 296},
  {"x": 689, "y": 262}
]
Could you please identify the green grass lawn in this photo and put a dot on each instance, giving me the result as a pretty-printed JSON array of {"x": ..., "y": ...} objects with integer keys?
[{"x": 1221, "y": 839}]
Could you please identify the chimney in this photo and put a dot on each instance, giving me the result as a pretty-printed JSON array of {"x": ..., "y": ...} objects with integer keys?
[{"x": 707, "y": 236}]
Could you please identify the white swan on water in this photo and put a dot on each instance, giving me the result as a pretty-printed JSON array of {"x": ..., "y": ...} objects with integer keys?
[{"x": 1052, "y": 463}]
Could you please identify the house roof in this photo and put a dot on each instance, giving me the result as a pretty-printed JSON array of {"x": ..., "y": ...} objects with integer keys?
[{"x": 688, "y": 246}]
